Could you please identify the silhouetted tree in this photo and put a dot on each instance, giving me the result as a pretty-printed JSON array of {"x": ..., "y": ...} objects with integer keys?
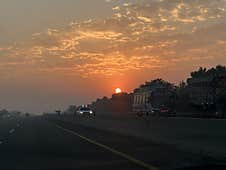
[
  {"x": 4, "y": 112},
  {"x": 201, "y": 72},
  {"x": 159, "y": 83},
  {"x": 71, "y": 109},
  {"x": 213, "y": 81}
]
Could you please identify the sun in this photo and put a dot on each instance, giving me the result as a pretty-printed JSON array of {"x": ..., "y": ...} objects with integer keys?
[{"x": 118, "y": 90}]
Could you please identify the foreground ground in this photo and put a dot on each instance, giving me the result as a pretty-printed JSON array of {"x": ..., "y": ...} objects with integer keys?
[{"x": 43, "y": 143}]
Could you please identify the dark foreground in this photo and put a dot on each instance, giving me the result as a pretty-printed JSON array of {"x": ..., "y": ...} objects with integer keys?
[{"x": 41, "y": 143}]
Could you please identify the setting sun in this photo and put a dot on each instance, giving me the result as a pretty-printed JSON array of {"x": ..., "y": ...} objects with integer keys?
[{"x": 118, "y": 90}]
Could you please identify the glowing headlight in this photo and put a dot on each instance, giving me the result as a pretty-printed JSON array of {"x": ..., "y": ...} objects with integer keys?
[{"x": 90, "y": 111}]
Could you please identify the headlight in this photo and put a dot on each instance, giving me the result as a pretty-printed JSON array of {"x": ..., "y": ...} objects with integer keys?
[
  {"x": 90, "y": 111},
  {"x": 80, "y": 112}
]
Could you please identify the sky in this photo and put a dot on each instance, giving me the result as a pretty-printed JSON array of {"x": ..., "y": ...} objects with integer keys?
[{"x": 55, "y": 53}]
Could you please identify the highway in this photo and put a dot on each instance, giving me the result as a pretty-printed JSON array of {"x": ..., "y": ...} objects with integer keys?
[{"x": 41, "y": 143}]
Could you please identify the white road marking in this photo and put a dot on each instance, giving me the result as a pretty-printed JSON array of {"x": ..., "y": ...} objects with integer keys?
[
  {"x": 112, "y": 150},
  {"x": 12, "y": 130}
]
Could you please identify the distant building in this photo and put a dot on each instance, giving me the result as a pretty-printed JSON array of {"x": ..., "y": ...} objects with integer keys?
[{"x": 141, "y": 99}]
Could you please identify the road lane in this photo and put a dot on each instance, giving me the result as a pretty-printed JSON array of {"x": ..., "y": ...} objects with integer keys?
[
  {"x": 192, "y": 135},
  {"x": 8, "y": 125},
  {"x": 40, "y": 145},
  {"x": 112, "y": 150},
  {"x": 155, "y": 154}
]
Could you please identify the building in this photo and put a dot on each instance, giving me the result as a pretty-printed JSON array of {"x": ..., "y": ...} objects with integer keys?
[{"x": 141, "y": 99}]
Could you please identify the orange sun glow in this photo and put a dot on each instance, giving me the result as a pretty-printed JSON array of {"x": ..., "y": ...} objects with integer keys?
[{"x": 118, "y": 90}]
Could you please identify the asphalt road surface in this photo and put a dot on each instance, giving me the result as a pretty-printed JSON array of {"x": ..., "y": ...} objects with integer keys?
[{"x": 40, "y": 143}]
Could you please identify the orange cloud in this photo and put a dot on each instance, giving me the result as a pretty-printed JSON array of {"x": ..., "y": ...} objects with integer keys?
[{"x": 144, "y": 35}]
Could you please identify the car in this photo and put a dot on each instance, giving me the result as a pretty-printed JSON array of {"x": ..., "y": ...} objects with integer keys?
[
  {"x": 155, "y": 111},
  {"x": 165, "y": 111},
  {"x": 85, "y": 111}
]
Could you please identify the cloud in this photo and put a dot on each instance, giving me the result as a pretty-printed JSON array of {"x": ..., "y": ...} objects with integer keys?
[{"x": 147, "y": 34}]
